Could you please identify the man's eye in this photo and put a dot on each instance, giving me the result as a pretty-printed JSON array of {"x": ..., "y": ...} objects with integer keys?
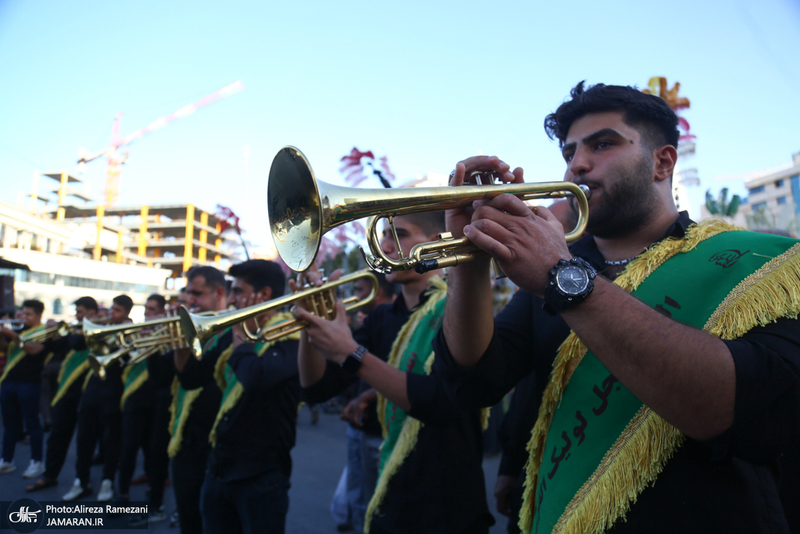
[
  {"x": 568, "y": 156},
  {"x": 603, "y": 144}
]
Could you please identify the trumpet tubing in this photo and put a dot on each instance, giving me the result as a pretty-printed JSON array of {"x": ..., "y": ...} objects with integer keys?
[
  {"x": 99, "y": 364},
  {"x": 302, "y": 209},
  {"x": 60, "y": 330}
]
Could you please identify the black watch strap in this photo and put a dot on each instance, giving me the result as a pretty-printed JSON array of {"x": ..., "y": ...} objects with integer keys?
[{"x": 352, "y": 363}]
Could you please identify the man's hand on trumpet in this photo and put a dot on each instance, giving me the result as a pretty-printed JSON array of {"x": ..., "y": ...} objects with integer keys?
[
  {"x": 332, "y": 339},
  {"x": 525, "y": 243},
  {"x": 245, "y": 301},
  {"x": 456, "y": 219}
]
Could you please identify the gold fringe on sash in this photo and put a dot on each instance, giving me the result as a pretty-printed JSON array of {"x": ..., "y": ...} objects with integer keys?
[
  {"x": 131, "y": 389},
  {"x": 235, "y": 394},
  {"x": 86, "y": 380},
  {"x": 648, "y": 442},
  {"x": 177, "y": 434}
]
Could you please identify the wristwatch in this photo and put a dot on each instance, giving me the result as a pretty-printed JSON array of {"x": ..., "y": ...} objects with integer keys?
[
  {"x": 570, "y": 283},
  {"x": 353, "y": 360}
]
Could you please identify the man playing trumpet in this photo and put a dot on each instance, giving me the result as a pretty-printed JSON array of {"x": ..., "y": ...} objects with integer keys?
[
  {"x": 19, "y": 390},
  {"x": 431, "y": 478},
  {"x": 247, "y": 481},
  {"x": 666, "y": 410},
  {"x": 194, "y": 408},
  {"x": 71, "y": 378}
]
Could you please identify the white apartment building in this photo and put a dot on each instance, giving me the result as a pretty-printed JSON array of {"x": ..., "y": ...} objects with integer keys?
[{"x": 774, "y": 198}]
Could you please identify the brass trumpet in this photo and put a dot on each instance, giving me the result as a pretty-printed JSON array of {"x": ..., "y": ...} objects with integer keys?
[
  {"x": 99, "y": 364},
  {"x": 320, "y": 300},
  {"x": 135, "y": 341},
  {"x": 59, "y": 330},
  {"x": 302, "y": 209}
]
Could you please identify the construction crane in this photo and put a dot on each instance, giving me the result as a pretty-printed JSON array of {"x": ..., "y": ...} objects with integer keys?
[{"x": 116, "y": 158}]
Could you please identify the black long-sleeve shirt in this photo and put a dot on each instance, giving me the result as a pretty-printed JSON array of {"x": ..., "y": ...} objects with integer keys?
[
  {"x": 203, "y": 412},
  {"x": 728, "y": 484},
  {"x": 257, "y": 435},
  {"x": 439, "y": 488}
]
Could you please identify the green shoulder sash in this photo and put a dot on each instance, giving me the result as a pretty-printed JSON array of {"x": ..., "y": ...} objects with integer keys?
[
  {"x": 132, "y": 379},
  {"x": 232, "y": 389},
  {"x": 182, "y": 400},
  {"x": 411, "y": 352},
  {"x": 595, "y": 446},
  {"x": 75, "y": 364},
  {"x": 15, "y": 352}
]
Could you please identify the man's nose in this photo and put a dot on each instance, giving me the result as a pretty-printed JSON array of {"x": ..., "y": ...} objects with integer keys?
[{"x": 581, "y": 163}]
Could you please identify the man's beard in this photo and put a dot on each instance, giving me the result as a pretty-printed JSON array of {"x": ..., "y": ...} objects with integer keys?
[{"x": 627, "y": 203}]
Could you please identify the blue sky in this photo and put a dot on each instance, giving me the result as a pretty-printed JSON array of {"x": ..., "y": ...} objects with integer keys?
[{"x": 425, "y": 83}]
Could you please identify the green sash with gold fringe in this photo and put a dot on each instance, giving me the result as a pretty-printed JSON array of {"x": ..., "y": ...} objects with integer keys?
[
  {"x": 232, "y": 389},
  {"x": 595, "y": 446},
  {"x": 182, "y": 400},
  {"x": 15, "y": 353},
  {"x": 75, "y": 364},
  {"x": 411, "y": 352},
  {"x": 133, "y": 377}
]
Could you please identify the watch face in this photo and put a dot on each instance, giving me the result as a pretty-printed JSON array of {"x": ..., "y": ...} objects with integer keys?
[{"x": 572, "y": 279}]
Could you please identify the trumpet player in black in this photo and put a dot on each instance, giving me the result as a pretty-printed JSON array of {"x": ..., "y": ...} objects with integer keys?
[
  {"x": 194, "y": 408},
  {"x": 99, "y": 418},
  {"x": 20, "y": 385},
  {"x": 71, "y": 377},
  {"x": 247, "y": 481},
  {"x": 143, "y": 407}
]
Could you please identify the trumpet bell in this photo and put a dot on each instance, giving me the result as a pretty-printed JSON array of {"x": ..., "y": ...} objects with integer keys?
[{"x": 295, "y": 211}]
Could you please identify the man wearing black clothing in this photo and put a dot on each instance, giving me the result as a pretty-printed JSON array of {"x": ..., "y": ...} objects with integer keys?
[
  {"x": 139, "y": 418},
  {"x": 19, "y": 392},
  {"x": 99, "y": 418},
  {"x": 195, "y": 408},
  {"x": 435, "y": 485},
  {"x": 247, "y": 481},
  {"x": 712, "y": 408},
  {"x": 74, "y": 366}
]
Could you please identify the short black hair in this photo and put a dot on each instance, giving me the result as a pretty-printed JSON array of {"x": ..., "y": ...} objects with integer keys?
[
  {"x": 649, "y": 114},
  {"x": 125, "y": 301},
  {"x": 261, "y": 274},
  {"x": 160, "y": 300},
  {"x": 35, "y": 305},
  {"x": 88, "y": 303},
  {"x": 213, "y": 277},
  {"x": 430, "y": 222}
]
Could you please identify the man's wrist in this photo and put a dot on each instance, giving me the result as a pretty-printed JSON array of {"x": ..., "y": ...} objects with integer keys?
[{"x": 352, "y": 362}]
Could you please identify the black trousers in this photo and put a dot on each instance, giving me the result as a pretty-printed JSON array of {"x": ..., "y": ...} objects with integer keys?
[
  {"x": 188, "y": 473},
  {"x": 158, "y": 469},
  {"x": 99, "y": 419},
  {"x": 137, "y": 431},
  {"x": 65, "y": 419}
]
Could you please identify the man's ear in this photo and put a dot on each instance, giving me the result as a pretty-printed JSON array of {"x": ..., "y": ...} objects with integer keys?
[
  {"x": 266, "y": 293},
  {"x": 664, "y": 160}
]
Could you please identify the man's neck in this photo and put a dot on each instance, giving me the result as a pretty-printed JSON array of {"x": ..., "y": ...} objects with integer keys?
[
  {"x": 631, "y": 245},
  {"x": 413, "y": 289}
]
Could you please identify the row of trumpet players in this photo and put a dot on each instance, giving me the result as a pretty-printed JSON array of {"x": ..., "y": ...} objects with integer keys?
[{"x": 132, "y": 343}]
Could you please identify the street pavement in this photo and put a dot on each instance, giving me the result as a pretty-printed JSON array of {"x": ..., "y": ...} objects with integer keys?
[{"x": 319, "y": 457}]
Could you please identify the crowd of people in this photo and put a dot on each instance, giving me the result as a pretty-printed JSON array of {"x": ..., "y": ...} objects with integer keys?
[{"x": 655, "y": 364}]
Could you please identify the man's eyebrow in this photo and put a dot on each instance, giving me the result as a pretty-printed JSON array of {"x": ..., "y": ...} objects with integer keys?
[{"x": 605, "y": 132}]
